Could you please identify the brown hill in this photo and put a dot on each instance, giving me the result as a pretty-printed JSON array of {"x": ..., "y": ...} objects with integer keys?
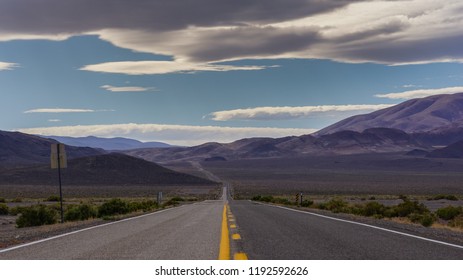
[
  {"x": 108, "y": 169},
  {"x": 19, "y": 149},
  {"x": 412, "y": 116}
]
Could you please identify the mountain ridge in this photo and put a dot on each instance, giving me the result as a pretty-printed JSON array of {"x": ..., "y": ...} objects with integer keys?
[
  {"x": 412, "y": 116},
  {"x": 109, "y": 144}
]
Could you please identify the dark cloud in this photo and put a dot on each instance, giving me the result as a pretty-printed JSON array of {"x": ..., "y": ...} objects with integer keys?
[
  {"x": 402, "y": 51},
  {"x": 75, "y": 16},
  {"x": 251, "y": 42}
]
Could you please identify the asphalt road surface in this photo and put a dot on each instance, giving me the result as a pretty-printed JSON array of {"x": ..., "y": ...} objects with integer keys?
[{"x": 275, "y": 233}]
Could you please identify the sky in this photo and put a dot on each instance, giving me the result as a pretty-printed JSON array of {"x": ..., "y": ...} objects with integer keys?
[{"x": 189, "y": 72}]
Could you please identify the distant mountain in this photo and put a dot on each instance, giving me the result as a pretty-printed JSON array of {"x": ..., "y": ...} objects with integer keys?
[
  {"x": 108, "y": 169},
  {"x": 17, "y": 149},
  {"x": 109, "y": 144},
  {"x": 454, "y": 150},
  {"x": 376, "y": 140},
  {"x": 434, "y": 114}
]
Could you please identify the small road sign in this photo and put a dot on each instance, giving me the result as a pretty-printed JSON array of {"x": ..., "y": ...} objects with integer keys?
[{"x": 58, "y": 156}]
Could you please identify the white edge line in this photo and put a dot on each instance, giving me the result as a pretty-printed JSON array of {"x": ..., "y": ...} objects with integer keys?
[
  {"x": 85, "y": 229},
  {"x": 365, "y": 225}
]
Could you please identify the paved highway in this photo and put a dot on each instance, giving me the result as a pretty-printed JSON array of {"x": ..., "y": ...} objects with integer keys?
[{"x": 275, "y": 233}]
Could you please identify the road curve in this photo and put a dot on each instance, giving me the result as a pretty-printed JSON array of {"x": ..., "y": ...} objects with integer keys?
[
  {"x": 186, "y": 232},
  {"x": 275, "y": 233}
]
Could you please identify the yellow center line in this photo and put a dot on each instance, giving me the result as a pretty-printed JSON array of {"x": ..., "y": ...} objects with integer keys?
[
  {"x": 224, "y": 251},
  {"x": 232, "y": 226},
  {"x": 236, "y": 236}
]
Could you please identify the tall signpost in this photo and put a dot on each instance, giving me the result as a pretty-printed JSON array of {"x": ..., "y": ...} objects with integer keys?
[{"x": 58, "y": 161}]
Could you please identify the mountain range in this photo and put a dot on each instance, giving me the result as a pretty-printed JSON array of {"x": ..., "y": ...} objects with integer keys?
[
  {"x": 108, "y": 144},
  {"x": 418, "y": 125}
]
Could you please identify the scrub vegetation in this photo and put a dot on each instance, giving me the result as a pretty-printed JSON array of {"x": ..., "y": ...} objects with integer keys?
[{"x": 409, "y": 209}]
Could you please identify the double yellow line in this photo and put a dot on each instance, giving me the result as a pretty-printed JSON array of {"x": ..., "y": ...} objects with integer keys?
[{"x": 224, "y": 252}]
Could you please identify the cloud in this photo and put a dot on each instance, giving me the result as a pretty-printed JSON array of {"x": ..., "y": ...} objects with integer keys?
[
  {"x": 162, "y": 67},
  {"x": 58, "y": 110},
  {"x": 80, "y": 16},
  {"x": 54, "y": 120},
  {"x": 173, "y": 134},
  {"x": 127, "y": 89},
  {"x": 387, "y": 32},
  {"x": 62, "y": 110},
  {"x": 284, "y": 113},
  {"x": 7, "y": 65},
  {"x": 419, "y": 93}
]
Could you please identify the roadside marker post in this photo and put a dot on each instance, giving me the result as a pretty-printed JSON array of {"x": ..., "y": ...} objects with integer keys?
[
  {"x": 299, "y": 199},
  {"x": 159, "y": 200},
  {"x": 58, "y": 161}
]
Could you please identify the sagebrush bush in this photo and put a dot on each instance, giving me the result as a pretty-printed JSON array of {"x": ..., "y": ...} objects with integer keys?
[
  {"x": 374, "y": 209},
  {"x": 54, "y": 198},
  {"x": 408, "y": 207},
  {"x": 17, "y": 200},
  {"x": 449, "y": 212},
  {"x": 36, "y": 215},
  {"x": 306, "y": 203},
  {"x": 426, "y": 219},
  {"x": 443, "y": 196},
  {"x": 115, "y": 206},
  {"x": 4, "y": 209},
  {"x": 80, "y": 212},
  {"x": 144, "y": 206},
  {"x": 177, "y": 198},
  {"x": 457, "y": 221},
  {"x": 2, "y": 200},
  {"x": 337, "y": 205}
]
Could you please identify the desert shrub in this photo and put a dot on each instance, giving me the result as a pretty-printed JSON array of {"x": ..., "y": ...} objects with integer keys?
[
  {"x": 177, "y": 198},
  {"x": 3, "y": 209},
  {"x": 15, "y": 210},
  {"x": 267, "y": 198},
  {"x": 281, "y": 200},
  {"x": 173, "y": 201},
  {"x": 144, "y": 206},
  {"x": 113, "y": 207},
  {"x": 2, "y": 200},
  {"x": 374, "y": 209},
  {"x": 36, "y": 216},
  {"x": 17, "y": 200},
  {"x": 307, "y": 203},
  {"x": 449, "y": 212},
  {"x": 337, "y": 205},
  {"x": 408, "y": 207},
  {"x": 457, "y": 221},
  {"x": 372, "y": 198},
  {"x": 443, "y": 196},
  {"x": 80, "y": 212},
  {"x": 426, "y": 219},
  {"x": 53, "y": 198}
]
